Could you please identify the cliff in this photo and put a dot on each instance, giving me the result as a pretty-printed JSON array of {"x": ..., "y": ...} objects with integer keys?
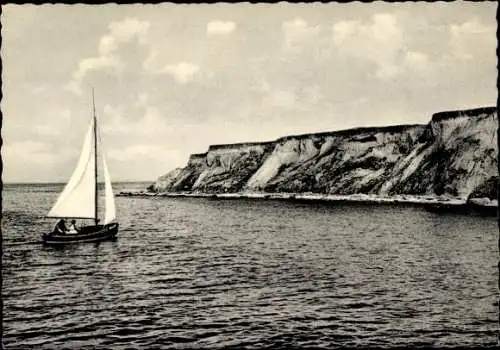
[{"x": 455, "y": 155}]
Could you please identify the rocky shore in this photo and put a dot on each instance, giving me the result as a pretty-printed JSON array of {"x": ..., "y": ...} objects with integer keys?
[{"x": 482, "y": 206}]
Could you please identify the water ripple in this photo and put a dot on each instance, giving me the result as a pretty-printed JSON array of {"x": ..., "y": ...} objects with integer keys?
[{"x": 194, "y": 273}]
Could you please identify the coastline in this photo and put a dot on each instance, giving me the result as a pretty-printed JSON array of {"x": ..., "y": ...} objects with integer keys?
[{"x": 430, "y": 203}]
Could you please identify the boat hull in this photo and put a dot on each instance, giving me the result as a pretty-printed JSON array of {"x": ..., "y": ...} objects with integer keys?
[{"x": 87, "y": 234}]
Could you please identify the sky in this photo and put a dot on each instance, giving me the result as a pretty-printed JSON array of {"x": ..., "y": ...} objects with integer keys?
[{"x": 172, "y": 79}]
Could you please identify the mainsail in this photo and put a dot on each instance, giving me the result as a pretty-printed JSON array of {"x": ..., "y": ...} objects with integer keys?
[{"x": 78, "y": 199}]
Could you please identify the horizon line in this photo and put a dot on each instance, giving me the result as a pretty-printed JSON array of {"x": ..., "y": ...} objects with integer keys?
[{"x": 63, "y": 182}]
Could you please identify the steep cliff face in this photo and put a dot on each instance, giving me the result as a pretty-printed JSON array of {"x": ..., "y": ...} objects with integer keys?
[
  {"x": 361, "y": 161},
  {"x": 455, "y": 155},
  {"x": 181, "y": 179},
  {"x": 228, "y": 167},
  {"x": 223, "y": 169},
  {"x": 468, "y": 151}
]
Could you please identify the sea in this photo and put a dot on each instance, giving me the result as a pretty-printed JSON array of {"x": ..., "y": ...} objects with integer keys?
[{"x": 203, "y": 273}]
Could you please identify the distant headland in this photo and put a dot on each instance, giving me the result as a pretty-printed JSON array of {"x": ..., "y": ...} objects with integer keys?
[{"x": 453, "y": 160}]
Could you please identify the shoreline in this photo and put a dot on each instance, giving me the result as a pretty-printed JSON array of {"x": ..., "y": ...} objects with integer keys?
[{"x": 430, "y": 203}]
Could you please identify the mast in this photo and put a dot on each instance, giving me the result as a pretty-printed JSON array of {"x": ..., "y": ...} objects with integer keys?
[{"x": 95, "y": 156}]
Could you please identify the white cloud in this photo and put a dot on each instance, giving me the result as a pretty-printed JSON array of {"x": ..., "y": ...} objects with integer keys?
[
  {"x": 343, "y": 30},
  {"x": 183, "y": 72},
  {"x": 472, "y": 39},
  {"x": 470, "y": 27},
  {"x": 379, "y": 41},
  {"x": 220, "y": 27},
  {"x": 118, "y": 33},
  {"x": 96, "y": 63},
  {"x": 298, "y": 32},
  {"x": 107, "y": 44},
  {"x": 124, "y": 31}
]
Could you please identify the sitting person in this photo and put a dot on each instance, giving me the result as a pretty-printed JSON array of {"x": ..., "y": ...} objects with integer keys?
[
  {"x": 60, "y": 227},
  {"x": 72, "y": 227}
]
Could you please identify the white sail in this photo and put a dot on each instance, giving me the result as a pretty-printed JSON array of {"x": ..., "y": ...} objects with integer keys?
[
  {"x": 110, "y": 212},
  {"x": 77, "y": 200}
]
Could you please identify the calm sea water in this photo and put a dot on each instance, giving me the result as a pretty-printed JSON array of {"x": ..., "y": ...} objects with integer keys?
[{"x": 201, "y": 273}]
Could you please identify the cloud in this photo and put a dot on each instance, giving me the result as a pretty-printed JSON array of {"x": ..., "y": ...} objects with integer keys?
[
  {"x": 379, "y": 41},
  {"x": 96, "y": 63},
  {"x": 119, "y": 33},
  {"x": 297, "y": 32},
  {"x": 472, "y": 39},
  {"x": 220, "y": 28},
  {"x": 183, "y": 72},
  {"x": 470, "y": 27},
  {"x": 122, "y": 32},
  {"x": 343, "y": 30}
]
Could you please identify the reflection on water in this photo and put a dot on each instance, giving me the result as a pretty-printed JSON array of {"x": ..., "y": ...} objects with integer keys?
[{"x": 199, "y": 273}]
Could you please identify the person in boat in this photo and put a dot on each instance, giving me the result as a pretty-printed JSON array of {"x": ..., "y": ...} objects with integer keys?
[
  {"x": 72, "y": 227},
  {"x": 60, "y": 227}
]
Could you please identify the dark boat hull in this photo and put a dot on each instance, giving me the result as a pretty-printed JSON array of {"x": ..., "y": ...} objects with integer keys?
[{"x": 87, "y": 234}]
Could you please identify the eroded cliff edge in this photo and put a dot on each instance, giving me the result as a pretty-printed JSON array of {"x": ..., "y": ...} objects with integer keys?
[{"x": 454, "y": 155}]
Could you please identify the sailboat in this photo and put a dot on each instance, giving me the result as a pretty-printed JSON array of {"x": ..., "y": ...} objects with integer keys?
[{"x": 79, "y": 198}]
